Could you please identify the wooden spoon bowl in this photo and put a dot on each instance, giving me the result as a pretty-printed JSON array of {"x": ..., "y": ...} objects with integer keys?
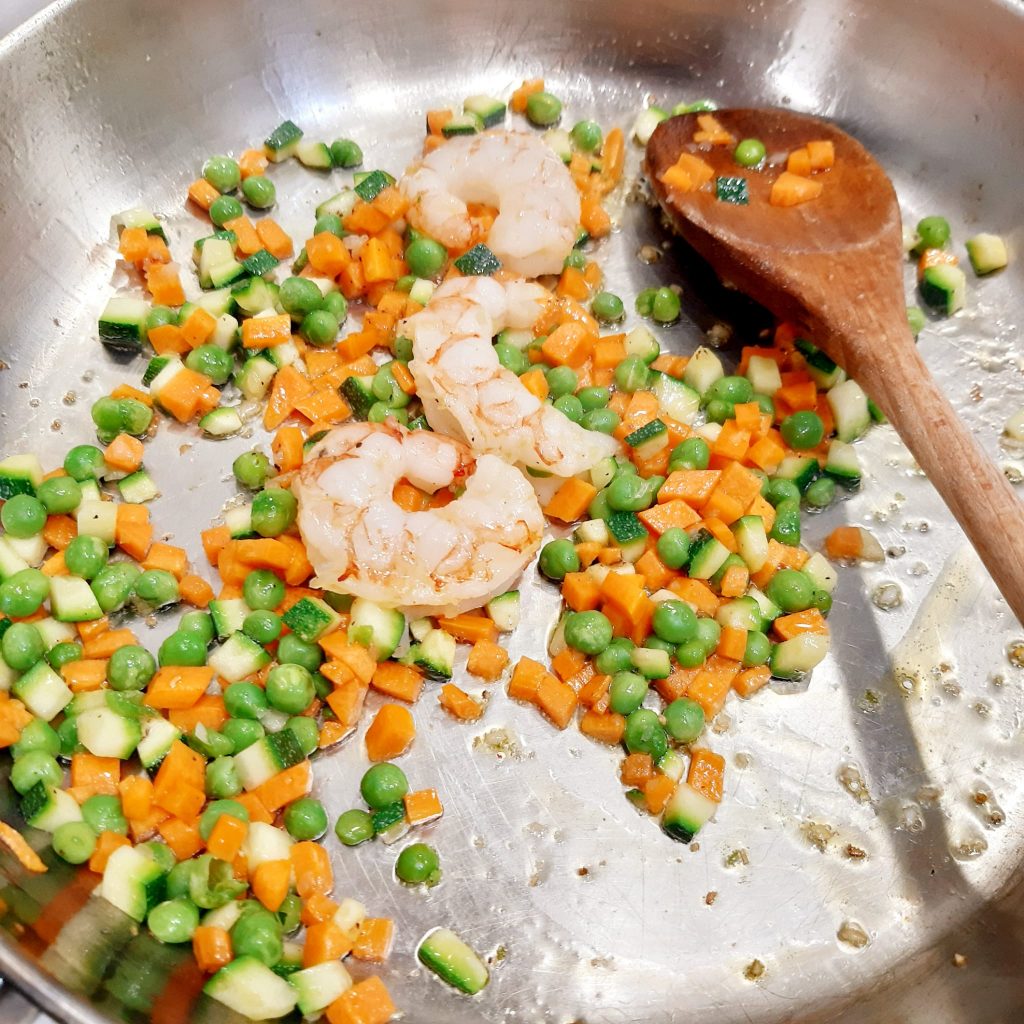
[{"x": 833, "y": 265}]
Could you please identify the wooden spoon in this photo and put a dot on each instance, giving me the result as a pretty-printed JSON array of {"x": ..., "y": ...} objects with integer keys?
[{"x": 834, "y": 266}]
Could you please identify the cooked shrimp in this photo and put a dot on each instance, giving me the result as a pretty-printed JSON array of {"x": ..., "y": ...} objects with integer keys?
[
  {"x": 538, "y": 204},
  {"x": 437, "y": 562},
  {"x": 466, "y": 393}
]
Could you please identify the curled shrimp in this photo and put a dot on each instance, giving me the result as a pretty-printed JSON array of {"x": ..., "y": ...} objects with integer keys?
[
  {"x": 466, "y": 393},
  {"x": 441, "y": 561},
  {"x": 538, "y": 204}
]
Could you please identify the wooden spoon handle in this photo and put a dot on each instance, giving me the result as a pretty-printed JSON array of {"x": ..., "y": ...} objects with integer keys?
[{"x": 977, "y": 493}]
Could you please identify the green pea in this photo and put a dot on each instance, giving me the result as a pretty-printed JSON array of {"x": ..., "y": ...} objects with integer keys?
[
  {"x": 289, "y": 914},
  {"x": 791, "y": 590},
  {"x": 802, "y": 430},
  {"x": 570, "y": 407},
  {"x": 426, "y": 258},
  {"x": 210, "y": 744},
  {"x": 135, "y": 416},
  {"x": 242, "y": 732},
  {"x": 299, "y": 296},
  {"x": 418, "y": 863},
  {"x": 245, "y": 700},
  {"x": 916, "y": 320},
  {"x": 383, "y": 784},
  {"x": 84, "y": 462},
  {"x": 35, "y": 766},
  {"x": 632, "y": 375},
  {"x": 320, "y": 328},
  {"x": 592, "y": 398},
  {"x": 758, "y": 649},
  {"x": 822, "y": 600},
  {"x": 674, "y": 547},
  {"x": 576, "y": 259},
  {"x": 709, "y": 632},
  {"x": 37, "y": 735},
  {"x": 599, "y": 507},
  {"x": 645, "y": 301},
  {"x": 85, "y": 556},
  {"x": 213, "y": 811},
  {"x": 157, "y": 587},
  {"x": 629, "y": 493},
  {"x": 346, "y": 153},
  {"x": 403, "y": 350},
  {"x": 305, "y": 819},
  {"x": 543, "y": 109},
  {"x": 615, "y": 657},
  {"x": 934, "y": 232},
  {"x": 103, "y": 813},
  {"x": 684, "y": 720},
  {"x": 820, "y": 493},
  {"x": 666, "y": 306},
  {"x": 765, "y": 404},
  {"x": 160, "y": 853},
  {"x": 780, "y": 490},
  {"x": 604, "y": 421},
  {"x": 289, "y": 689},
  {"x": 736, "y": 390},
  {"x": 607, "y": 307},
  {"x": 23, "y": 515},
  {"x": 222, "y": 173},
  {"x": 200, "y": 623},
  {"x": 330, "y": 224},
  {"x": 67, "y": 733},
  {"x": 160, "y": 316},
  {"x": 511, "y": 358},
  {"x": 674, "y": 621},
  {"x": 106, "y": 415},
  {"x": 589, "y": 632},
  {"x": 183, "y": 649},
  {"x": 273, "y": 512},
  {"x": 562, "y": 380},
  {"x": 23, "y": 593},
  {"x": 586, "y": 136},
  {"x": 73, "y": 842},
  {"x": 387, "y": 389},
  {"x": 252, "y": 469},
  {"x": 749, "y": 153},
  {"x": 114, "y": 584},
  {"x": 212, "y": 362},
  {"x": 222, "y": 780},
  {"x": 558, "y": 558},
  {"x": 626, "y": 692},
  {"x": 263, "y": 590},
  {"x": 179, "y": 879},
  {"x": 293, "y": 651},
  {"x": 354, "y": 827},
  {"x": 379, "y": 412},
  {"x": 645, "y": 734},
  {"x": 22, "y": 646},
  {"x": 718, "y": 411},
  {"x": 63, "y": 654},
  {"x": 59, "y": 495},
  {"x": 786, "y": 528},
  {"x": 306, "y": 733},
  {"x": 225, "y": 208},
  {"x": 262, "y": 626},
  {"x": 259, "y": 191},
  {"x": 258, "y": 934},
  {"x": 130, "y": 668},
  {"x": 174, "y": 921}
]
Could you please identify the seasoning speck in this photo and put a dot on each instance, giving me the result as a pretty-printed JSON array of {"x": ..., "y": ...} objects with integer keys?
[{"x": 754, "y": 970}]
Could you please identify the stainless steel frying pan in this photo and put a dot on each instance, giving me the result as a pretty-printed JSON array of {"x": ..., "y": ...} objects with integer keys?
[{"x": 873, "y": 831}]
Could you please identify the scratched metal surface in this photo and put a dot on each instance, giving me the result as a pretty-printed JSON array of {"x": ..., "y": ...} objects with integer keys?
[{"x": 853, "y": 807}]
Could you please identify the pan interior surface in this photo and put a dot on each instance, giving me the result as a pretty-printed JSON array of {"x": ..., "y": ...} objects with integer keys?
[{"x": 872, "y": 826}]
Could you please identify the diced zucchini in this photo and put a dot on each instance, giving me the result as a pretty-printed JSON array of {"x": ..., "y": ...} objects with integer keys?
[
  {"x": 379, "y": 629},
  {"x": 73, "y": 600},
  {"x": 603, "y": 472},
  {"x": 751, "y": 541},
  {"x": 672, "y": 764},
  {"x": 686, "y": 813},
  {"x": 264, "y": 842},
  {"x": 435, "y": 654},
  {"x": 225, "y": 334},
  {"x": 54, "y": 632},
  {"x": 255, "y": 295},
  {"x": 158, "y": 736},
  {"x": 369, "y": 184},
  {"x": 796, "y": 657},
  {"x": 676, "y": 400},
  {"x": 443, "y": 952},
  {"x": 47, "y": 808},
  {"x": 42, "y": 691},
  {"x": 504, "y": 611},
  {"x": 987, "y": 253},
  {"x": 478, "y": 261},
  {"x": 122, "y": 324},
  {"x": 706, "y": 556},
  {"x": 560, "y": 142},
  {"x": 824, "y": 372},
  {"x": 97, "y": 519},
  {"x": 228, "y": 615},
  {"x": 821, "y": 572},
  {"x": 640, "y": 342},
  {"x": 282, "y": 141},
  {"x": 849, "y": 407},
  {"x": 221, "y": 422},
  {"x": 133, "y": 882},
  {"x": 593, "y": 531},
  {"x": 651, "y": 662},
  {"x": 238, "y": 657},
  {"x": 217, "y": 264},
  {"x": 250, "y": 988},
  {"x": 105, "y": 733},
  {"x": 463, "y": 124},
  {"x": 10, "y": 561},
  {"x": 740, "y": 613},
  {"x": 239, "y": 523},
  {"x": 703, "y": 369},
  {"x": 490, "y": 110},
  {"x": 649, "y": 439},
  {"x": 647, "y": 120},
  {"x": 843, "y": 464},
  {"x": 944, "y": 287},
  {"x": 32, "y": 550},
  {"x": 358, "y": 392},
  {"x": 255, "y": 376},
  {"x": 421, "y": 290},
  {"x": 317, "y": 987},
  {"x": 19, "y": 474},
  {"x": 800, "y": 469},
  {"x": 310, "y": 618},
  {"x": 625, "y": 528},
  {"x": 763, "y": 374},
  {"x": 137, "y": 488},
  {"x": 266, "y": 757},
  {"x": 314, "y": 154},
  {"x": 140, "y": 217},
  {"x": 770, "y": 611},
  {"x": 341, "y": 204}
]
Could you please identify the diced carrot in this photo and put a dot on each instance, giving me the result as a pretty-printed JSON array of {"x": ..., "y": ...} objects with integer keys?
[
  {"x": 327, "y": 254},
  {"x": 390, "y": 733},
  {"x": 267, "y": 331},
  {"x": 85, "y": 674},
  {"x": 360, "y": 662},
  {"x": 637, "y": 770},
  {"x": 312, "y": 867},
  {"x": 367, "y": 1002},
  {"x": 104, "y": 645},
  {"x": 60, "y": 531},
  {"x": 791, "y": 190},
  {"x": 487, "y": 659},
  {"x": 711, "y": 684},
  {"x": 287, "y": 449},
  {"x": 469, "y": 628},
  {"x": 403, "y": 682},
  {"x": 285, "y": 786},
  {"x": 181, "y": 766},
  {"x": 211, "y": 947},
  {"x": 707, "y": 773},
  {"x": 799, "y": 397},
  {"x": 517, "y": 104},
  {"x": 378, "y": 263},
  {"x": 459, "y": 703},
  {"x": 181, "y": 396},
  {"x": 822, "y": 154},
  {"x": 570, "y": 501},
  {"x": 226, "y": 837},
  {"x": 557, "y": 700},
  {"x": 581, "y": 591},
  {"x": 594, "y": 218},
  {"x": 711, "y": 131},
  {"x": 257, "y": 812},
  {"x": 732, "y": 643},
  {"x": 747, "y": 683},
  {"x": 572, "y": 282},
  {"x": 136, "y": 792},
  {"x": 607, "y": 727},
  {"x": 567, "y": 663},
  {"x": 373, "y": 943},
  {"x": 669, "y": 515},
  {"x": 274, "y": 239},
  {"x": 422, "y": 805},
  {"x": 106, "y": 844},
  {"x": 168, "y": 339},
  {"x": 657, "y": 793},
  {"x": 177, "y": 686},
  {"x": 437, "y": 119},
  {"x": 569, "y": 344},
  {"x": 798, "y": 623},
  {"x": 673, "y": 365},
  {"x": 98, "y": 775},
  {"x": 844, "y": 542},
  {"x": 609, "y": 351},
  {"x": 124, "y": 453},
  {"x": 164, "y": 285},
  {"x": 247, "y": 241},
  {"x": 734, "y": 581},
  {"x": 799, "y": 162},
  {"x": 195, "y": 590},
  {"x": 317, "y": 907},
  {"x": 196, "y": 330},
  {"x": 133, "y": 244},
  {"x": 766, "y": 454},
  {"x": 252, "y": 163},
  {"x": 202, "y": 193},
  {"x": 288, "y": 388},
  {"x": 694, "y": 486},
  {"x": 688, "y": 174},
  {"x": 168, "y": 557},
  {"x": 208, "y": 711},
  {"x": 88, "y": 630},
  {"x": 593, "y": 693},
  {"x": 526, "y": 679}
]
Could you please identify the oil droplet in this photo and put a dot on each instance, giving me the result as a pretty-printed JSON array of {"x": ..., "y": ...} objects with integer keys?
[
  {"x": 818, "y": 834},
  {"x": 969, "y": 847},
  {"x": 851, "y": 779},
  {"x": 1015, "y": 653},
  {"x": 754, "y": 970},
  {"x": 852, "y": 934},
  {"x": 887, "y": 596},
  {"x": 648, "y": 254}
]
